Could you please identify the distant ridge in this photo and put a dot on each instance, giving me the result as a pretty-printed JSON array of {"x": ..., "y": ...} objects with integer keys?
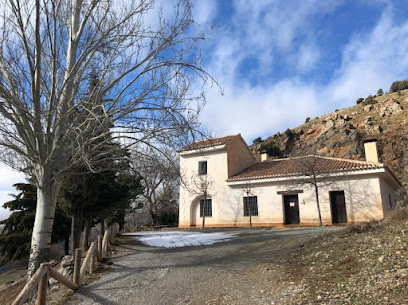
[{"x": 341, "y": 133}]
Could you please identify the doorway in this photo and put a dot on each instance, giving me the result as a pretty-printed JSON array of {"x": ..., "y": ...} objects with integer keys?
[
  {"x": 338, "y": 207},
  {"x": 291, "y": 203}
]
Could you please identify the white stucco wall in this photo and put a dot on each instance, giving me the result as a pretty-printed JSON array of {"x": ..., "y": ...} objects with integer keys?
[
  {"x": 366, "y": 196},
  {"x": 389, "y": 194},
  {"x": 362, "y": 196},
  {"x": 190, "y": 195}
]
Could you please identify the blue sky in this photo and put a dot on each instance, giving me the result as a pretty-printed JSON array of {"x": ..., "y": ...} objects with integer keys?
[{"x": 282, "y": 61}]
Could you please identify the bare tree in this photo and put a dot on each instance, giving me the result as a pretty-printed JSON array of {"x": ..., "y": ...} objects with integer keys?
[
  {"x": 160, "y": 177},
  {"x": 313, "y": 175},
  {"x": 247, "y": 189},
  {"x": 49, "y": 120},
  {"x": 200, "y": 185}
]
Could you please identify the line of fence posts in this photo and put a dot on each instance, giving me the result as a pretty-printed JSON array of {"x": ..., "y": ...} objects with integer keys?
[{"x": 96, "y": 252}]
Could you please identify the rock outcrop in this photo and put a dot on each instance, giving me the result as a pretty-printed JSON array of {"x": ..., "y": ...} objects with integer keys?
[{"x": 340, "y": 134}]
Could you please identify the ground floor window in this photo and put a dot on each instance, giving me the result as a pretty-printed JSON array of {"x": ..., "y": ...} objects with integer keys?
[
  {"x": 251, "y": 203},
  {"x": 208, "y": 207}
]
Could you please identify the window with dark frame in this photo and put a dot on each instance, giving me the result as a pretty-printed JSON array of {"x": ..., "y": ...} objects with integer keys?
[
  {"x": 208, "y": 208},
  {"x": 202, "y": 167},
  {"x": 252, "y": 202}
]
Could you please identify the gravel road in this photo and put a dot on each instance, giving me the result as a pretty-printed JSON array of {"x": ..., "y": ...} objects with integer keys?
[{"x": 247, "y": 269}]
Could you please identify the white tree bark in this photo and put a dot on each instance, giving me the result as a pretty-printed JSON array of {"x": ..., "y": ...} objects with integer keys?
[
  {"x": 47, "y": 192},
  {"x": 50, "y": 122}
]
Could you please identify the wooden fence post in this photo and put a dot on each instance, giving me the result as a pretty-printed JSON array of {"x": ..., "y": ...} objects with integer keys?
[
  {"x": 40, "y": 280},
  {"x": 77, "y": 267},
  {"x": 62, "y": 279},
  {"x": 93, "y": 259},
  {"x": 105, "y": 242},
  {"x": 42, "y": 286},
  {"x": 111, "y": 237},
  {"x": 30, "y": 286},
  {"x": 86, "y": 262},
  {"x": 99, "y": 252}
]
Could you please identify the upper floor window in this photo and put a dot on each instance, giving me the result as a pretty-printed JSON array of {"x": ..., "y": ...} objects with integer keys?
[
  {"x": 251, "y": 203},
  {"x": 202, "y": 168}
]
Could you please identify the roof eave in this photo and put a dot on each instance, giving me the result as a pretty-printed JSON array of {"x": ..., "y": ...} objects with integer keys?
[
  {"x": 198, "y": 151},
  {"x": 255, "y": 180}
]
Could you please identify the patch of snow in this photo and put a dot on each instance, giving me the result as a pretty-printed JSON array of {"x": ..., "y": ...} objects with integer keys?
[{"x": 179, "y": 239}]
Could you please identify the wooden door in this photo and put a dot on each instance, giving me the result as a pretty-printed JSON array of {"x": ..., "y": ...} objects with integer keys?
[
  {"x": 338, "y": 207},
  {"x": 291, "y": 203}
]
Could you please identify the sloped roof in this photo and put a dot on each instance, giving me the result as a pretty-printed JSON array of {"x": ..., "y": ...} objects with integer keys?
[
  {"x": 209, "y": 143},
  {"x": 300, "y": 166}
]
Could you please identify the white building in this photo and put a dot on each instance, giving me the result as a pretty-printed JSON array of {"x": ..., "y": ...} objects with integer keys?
[{"x": 224, "y": 171}]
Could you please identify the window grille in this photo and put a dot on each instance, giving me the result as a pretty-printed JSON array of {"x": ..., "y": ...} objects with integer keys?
[{"x": 252, "y": 202}]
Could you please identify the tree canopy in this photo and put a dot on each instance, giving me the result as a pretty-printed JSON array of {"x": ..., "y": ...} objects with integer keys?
[
  {"x": 399, "y": 85},
  {"x": 146, "y": 60}
]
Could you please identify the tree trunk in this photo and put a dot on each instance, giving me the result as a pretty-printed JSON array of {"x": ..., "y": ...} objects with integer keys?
[
  {"x": 318, "y": 205},
  {"x": 47, "y": 191},
  {"x": 66, "y": 244},
  {"x": 204, "y": 204},
  {"x": 152, "y": 215},
  {"x": 250, "y": 214},
  {"x": 85, "y": 234},
  {"x": 250, "y": 210},
  {"x": 157, "y": 215},
  {"x": 102, "y": 225},
  {"x": 76, "y": 228}
]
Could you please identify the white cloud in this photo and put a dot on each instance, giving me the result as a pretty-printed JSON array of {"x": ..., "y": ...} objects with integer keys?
[
  {"x": 8, "y": 177},
  {"x": 307, "y": 57},
  {"x": 370, "y": 60},
  {"x": 4, "y": 197},
  {"x": 259, "y": 111},
  {"x": 204, "y": 11}
]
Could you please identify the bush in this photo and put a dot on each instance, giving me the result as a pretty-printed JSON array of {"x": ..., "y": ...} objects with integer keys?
[
  {"x": 168, "y": 217},
  {"x": 289, "y": 133},
  {"x": 257, "y": 140},
  {"x": 380, "y": 92},
  {"x": 360, "y": 100},
  {"x": 399, "y": 85},
  {"x": 394, "y": 86},
  {"x": 403, "y": 85},
  {"x": 370, "y": 100},
  {"x": 271, "y": 149},
  {"x": 307, "y": 120}
]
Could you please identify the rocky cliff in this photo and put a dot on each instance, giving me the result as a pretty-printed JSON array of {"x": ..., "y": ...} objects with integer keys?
[{"x": 341, "y": 133}]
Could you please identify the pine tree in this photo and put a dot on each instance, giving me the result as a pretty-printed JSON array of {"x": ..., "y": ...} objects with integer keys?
[{"x": 15, "y": 239}]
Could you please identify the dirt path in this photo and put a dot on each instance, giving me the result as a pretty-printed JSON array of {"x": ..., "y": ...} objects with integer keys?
[{"x": 249, "y": 269}]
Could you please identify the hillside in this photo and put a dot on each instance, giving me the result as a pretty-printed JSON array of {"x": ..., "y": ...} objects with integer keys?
[
  {"x": 340, "y": 133},
  {"x": 363, "y": 264}
]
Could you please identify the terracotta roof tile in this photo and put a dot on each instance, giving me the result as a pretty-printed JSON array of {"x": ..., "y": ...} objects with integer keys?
[
  {"x": 301, "y": 166},
  {"x": 208, "y": 143}
]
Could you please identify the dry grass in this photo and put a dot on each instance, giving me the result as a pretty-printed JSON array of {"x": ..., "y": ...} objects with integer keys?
[{"x": 363, "y": 264}]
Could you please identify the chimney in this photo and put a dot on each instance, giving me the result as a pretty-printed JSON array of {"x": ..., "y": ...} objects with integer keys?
[
  {"x": 371, "y": 150},
  {"x": 264, "y": 155}
]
